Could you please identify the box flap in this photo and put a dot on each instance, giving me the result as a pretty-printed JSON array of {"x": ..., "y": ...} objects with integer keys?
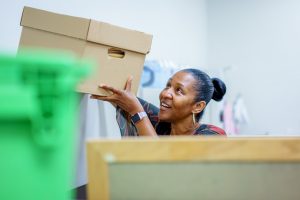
[
  {"x": 56, "y": 23},
  {"x": 115, "y": 36}
]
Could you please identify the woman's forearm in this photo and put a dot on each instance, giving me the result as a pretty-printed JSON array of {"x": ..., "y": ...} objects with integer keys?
[{"x": 145, "y": 128}]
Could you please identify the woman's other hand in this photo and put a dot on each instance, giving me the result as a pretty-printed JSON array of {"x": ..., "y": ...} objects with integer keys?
[{"x": 123, "y": 98}]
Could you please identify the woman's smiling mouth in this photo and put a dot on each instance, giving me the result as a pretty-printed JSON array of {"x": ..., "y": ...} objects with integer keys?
[{"x": 164, "y": 105}]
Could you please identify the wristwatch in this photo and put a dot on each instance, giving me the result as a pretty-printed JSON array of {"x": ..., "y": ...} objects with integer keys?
[{"x": 138, "y": 116}]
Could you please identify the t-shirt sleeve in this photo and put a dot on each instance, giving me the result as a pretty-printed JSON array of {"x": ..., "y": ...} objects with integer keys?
[{"x": 208, "y": 129}]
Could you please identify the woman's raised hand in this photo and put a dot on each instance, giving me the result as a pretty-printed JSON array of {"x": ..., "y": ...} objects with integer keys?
[{"x": 123, "y": 98}]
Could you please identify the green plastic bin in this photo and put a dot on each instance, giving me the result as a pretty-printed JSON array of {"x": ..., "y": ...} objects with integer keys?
[{"x": 38, "y": 107}]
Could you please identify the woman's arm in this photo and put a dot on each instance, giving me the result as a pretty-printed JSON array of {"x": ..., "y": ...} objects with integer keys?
[{"x": 129, "y": 103}]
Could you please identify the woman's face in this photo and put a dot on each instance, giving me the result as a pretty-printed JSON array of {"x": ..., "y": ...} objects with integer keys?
[{"x": 177, "y": 98}]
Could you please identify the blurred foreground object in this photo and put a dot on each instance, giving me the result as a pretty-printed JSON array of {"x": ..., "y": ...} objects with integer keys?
[
  {"x": 194, "y": 168},
  {"x": 37, "y": 116}
]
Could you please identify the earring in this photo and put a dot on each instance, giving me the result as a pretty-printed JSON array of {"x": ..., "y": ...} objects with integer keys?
[{"x": 194, "y": 119}]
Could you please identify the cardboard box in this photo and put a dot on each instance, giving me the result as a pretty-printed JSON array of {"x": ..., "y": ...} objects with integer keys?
[{"x": 119, "y": 52}]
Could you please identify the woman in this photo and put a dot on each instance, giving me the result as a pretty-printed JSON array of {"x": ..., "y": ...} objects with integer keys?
[{"x": 182, "y": 103}]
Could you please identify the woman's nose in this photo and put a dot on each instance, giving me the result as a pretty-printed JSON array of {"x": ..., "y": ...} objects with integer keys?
[{"x": 167, "y": 93}]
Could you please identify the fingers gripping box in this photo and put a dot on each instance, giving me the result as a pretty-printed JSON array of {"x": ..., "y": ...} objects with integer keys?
[{"x": 119, "y": 52}]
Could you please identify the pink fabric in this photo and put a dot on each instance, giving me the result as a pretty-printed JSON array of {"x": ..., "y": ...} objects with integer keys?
[{"x": 229, "y": 125}]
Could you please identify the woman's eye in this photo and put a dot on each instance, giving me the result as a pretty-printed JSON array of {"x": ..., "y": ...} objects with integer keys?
[{"x": 179, "y": 90}]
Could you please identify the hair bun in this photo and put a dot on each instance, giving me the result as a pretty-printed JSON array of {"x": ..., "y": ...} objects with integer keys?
[{"x": 219, "y": 89}]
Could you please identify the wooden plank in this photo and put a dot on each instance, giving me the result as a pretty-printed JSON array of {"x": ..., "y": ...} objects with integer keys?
[
  {"x": 107, "y": 152},
  {"x": 199, "y": 149}
]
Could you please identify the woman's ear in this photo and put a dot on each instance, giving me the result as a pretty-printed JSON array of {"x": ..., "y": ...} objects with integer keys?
[{"x": 199, "y": 106}]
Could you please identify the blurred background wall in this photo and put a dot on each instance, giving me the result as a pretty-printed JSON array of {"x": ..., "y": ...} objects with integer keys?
[{"x": 260, "y": 40}]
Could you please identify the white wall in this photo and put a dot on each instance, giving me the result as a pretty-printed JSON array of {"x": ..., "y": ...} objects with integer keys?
[{"x": 260, "y": 39}]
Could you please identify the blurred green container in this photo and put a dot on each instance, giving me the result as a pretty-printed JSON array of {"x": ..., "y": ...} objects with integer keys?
[{"x": 37, "y": 118}]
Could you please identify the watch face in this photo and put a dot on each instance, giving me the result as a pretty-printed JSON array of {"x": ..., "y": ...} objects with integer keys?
[
  {"x": 135, "y": 118},
  {"x": 138, "y": 116}
]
